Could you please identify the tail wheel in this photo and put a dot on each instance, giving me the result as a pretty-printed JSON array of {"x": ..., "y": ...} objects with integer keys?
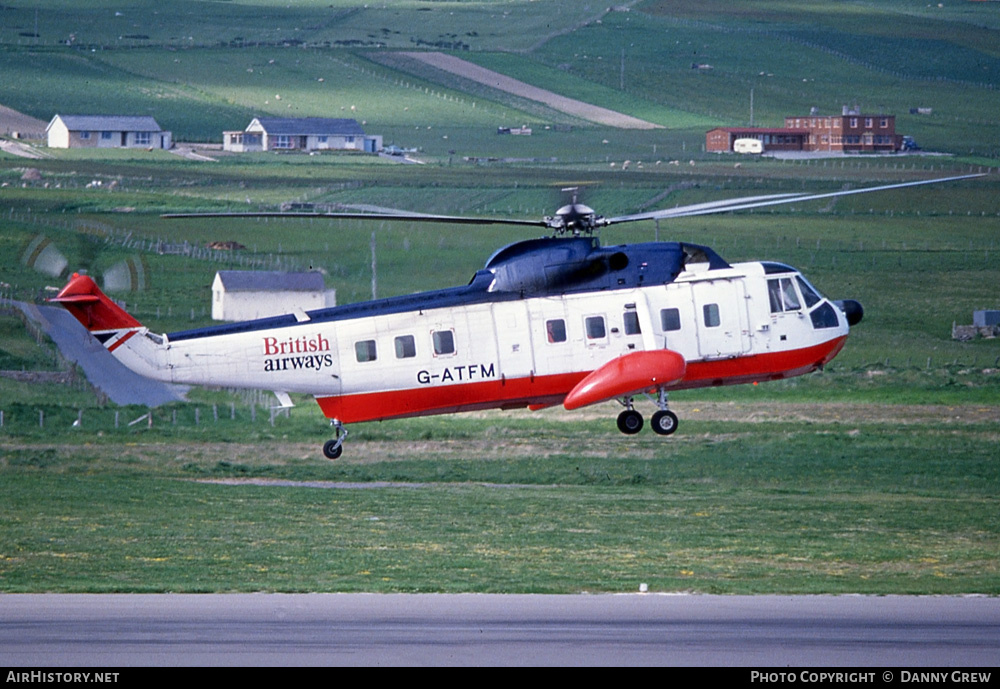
[
  {"x": 630, "y": 422},
  {"x": 664, "y": 422}
]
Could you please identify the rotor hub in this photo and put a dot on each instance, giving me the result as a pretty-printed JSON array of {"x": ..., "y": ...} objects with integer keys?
[{"x": 575, "y": 218}]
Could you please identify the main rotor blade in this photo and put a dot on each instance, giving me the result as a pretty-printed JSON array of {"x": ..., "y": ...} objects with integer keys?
[
  {"x": 410, "y": 217},
  {"x": 707, "y": 207},
  {"x": 772, "y": 200}
]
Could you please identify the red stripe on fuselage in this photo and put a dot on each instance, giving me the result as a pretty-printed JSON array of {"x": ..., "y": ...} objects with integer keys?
[
  {"x": 550, "y": 390},
  {"x": 449, "y": 399},
  {"x": 122, "y": 340},
  {"x": 759, "y": 367}
]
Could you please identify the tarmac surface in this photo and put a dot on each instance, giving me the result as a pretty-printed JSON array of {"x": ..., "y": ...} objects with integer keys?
[{"x": 119, "y": 631}]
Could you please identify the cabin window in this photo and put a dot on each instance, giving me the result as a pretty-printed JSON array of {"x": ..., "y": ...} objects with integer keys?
[
  {"x": 406, "y": 347},
  {"x": 84, "y": 135},
  {"x": 106, "y": 136},
  {"x": 555, "y": 330},
  {"x": 142, "y": 138},
  {"x": 631, "y": 319},
  {"x": 365, "y": 350},
  {"x": 711, "y": 314},
  {"x": 595, "y": 328},
  {"x": 444, "y": 342},
  {"x": 670, "y": 319}
]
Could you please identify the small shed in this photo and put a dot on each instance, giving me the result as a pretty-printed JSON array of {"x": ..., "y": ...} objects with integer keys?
[
  {"x": 241, "y": 295},
  {"x": 985, "y": 318},
  {"x": 106, "y": 131}
]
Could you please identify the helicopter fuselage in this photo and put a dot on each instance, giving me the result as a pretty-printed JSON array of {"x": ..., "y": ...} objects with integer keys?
[{"x": 528, "y": 330}]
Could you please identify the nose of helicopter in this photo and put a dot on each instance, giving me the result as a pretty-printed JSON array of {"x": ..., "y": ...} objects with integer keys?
[{"x": 852, "y": 309}]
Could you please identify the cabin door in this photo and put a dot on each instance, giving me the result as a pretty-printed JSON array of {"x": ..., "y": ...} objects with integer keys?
[
  {"x": 721, "y": 318},
  {"x": 513, "y": 340}
]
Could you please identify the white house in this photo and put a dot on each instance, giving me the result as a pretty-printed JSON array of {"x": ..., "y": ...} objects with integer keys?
[
  {"x": 239, "y": 295},
  {"x": 301, "y": 134},
  {"x": 106, "y": 131}
]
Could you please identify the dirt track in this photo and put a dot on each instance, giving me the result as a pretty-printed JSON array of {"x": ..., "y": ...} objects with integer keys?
[
  {"x": 500, "y": 441},
  {"x": 586, "y": 111}
]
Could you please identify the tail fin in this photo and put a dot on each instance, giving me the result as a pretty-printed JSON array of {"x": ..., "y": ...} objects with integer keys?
[{"x": 84, "y": 299}]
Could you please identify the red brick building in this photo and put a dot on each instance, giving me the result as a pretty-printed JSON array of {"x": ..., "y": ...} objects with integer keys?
[
  {"x": 851, "y": 131},
  {"x": 722, "y": 139}
]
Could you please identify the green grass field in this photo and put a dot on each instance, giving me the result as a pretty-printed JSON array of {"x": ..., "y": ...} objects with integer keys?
[
  {"x": 878, "y": 475},
  {"x": 501, "y": 503}
]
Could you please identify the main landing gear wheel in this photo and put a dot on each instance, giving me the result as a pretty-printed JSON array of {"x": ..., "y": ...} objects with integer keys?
[
  {"x": 630, "y": 422},
  {"x": 334, "y": 447},
  {"x": 664, "y": 422}
]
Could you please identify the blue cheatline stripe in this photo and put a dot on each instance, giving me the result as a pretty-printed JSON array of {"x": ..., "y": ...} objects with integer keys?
[{"x": 473, "y": 293}]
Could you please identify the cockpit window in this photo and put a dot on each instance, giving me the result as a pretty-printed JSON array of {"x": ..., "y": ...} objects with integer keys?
[
  {"x": 824, "y": 317},
  {"x": 774, "y": 296},
  {"x": 782, "y": 295},
  {"x": 789, "y": 296},
  {"x": 808, "y": 293}
]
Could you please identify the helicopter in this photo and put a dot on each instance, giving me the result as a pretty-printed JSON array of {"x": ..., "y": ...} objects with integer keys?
[{"x": 557, "y": 320}]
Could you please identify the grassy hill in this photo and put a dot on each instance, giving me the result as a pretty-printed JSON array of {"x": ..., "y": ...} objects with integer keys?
[{"x": 202, "y": 67}]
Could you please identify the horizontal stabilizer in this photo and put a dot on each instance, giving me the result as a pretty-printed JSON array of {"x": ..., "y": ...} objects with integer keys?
[
  {"x": 84, "y": 299},
  {"x": 284, "y": 400},
  {"x": 627, "y": 375}
]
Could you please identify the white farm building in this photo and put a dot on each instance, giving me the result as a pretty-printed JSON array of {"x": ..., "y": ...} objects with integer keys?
[
  {"x": 239, "y": 295},
  {"x": 301, "y": 134},
  {"x": 106, "y": 131}
]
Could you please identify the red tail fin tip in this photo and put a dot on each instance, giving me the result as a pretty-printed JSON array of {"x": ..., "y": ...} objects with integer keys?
[{"x": 84, "y": 299}]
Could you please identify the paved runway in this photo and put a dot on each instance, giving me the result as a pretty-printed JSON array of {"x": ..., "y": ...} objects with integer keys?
[{"x": 119, "y": 631}]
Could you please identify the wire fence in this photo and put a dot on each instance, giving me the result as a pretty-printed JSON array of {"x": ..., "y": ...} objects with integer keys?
[{"x": 46, "y": 419}]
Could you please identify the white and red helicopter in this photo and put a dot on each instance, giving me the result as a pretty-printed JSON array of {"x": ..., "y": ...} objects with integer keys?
[{"x": 550, "y": 321}]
